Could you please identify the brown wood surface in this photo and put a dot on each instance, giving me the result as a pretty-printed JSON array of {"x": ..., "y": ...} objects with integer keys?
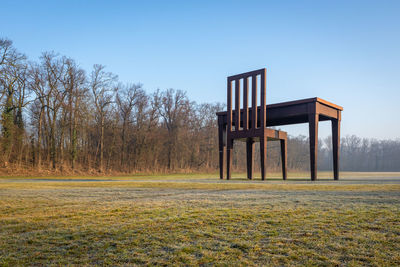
[
  {"x": 237, "y": 105},
  {"x": 313, "y": 138},
  {"x": 254, "y": 103},
  {"x": 310, "y": 110},
  {"x": 336, "y": 147},
  {"x": 297, "y": 102},
  {"x": 250, "y": 157},
  {"x": 284, "y": 157},
  {"x": 221, "y": 145},
  {"x": 263, "y": 92},
  {"x": 246, "y": 103},
  {"x": 238, "y": 125},
  {"x": 263, "y": 156}
]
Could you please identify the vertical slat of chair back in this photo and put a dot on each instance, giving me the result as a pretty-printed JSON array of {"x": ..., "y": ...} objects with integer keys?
[
  {"x": 254, "y": 92},
  {"x": 254, "y": 102},
  {"x": 263, "y": 98},
  {"x": 237, "y": 105},
  {"x": 245, "y": 103},
  {"x": 229, "y": 105}
]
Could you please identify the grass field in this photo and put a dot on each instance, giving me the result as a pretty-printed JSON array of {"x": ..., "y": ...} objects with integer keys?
[{"x": 200, "y": 220}]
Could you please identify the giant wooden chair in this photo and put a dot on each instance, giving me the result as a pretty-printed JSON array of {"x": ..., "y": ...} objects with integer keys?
[{"x": 249, "y": 123}]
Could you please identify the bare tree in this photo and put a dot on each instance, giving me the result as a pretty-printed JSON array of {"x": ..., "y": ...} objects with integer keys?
[
  {"x": 37, "y": 84},
  {"x": 128, "y": 97},
  {"x": 54, "y": 71},
  {"x": 173, "y": 107},
  {"x": 90, "y": 120},
  {"x": 74, "y": 83},
  {"x": 102, "y": 85},
  {"x": 13, "y": 97}
]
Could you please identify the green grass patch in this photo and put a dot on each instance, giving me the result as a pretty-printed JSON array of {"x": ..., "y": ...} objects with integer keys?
[{"x": 198, "y": 223}]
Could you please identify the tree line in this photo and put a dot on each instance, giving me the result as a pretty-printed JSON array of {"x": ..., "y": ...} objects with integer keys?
[{"x": 55, "y": 116}]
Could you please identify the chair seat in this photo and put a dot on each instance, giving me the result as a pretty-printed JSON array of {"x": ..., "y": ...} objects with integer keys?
[{"x": 271, "y": 134}]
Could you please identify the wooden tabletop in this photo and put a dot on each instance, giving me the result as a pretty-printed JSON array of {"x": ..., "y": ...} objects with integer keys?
[{"x": 297, "y": 102}]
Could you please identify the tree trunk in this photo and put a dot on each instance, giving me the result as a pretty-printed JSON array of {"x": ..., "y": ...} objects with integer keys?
[
  {"x": 123, "y": 144},
  {"x": 39, "y": 141},
  {"x": 101, "y": 143},
  {"x": 53, "y": 153}
]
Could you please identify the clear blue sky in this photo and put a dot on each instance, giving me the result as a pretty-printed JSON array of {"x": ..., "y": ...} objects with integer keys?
[{"x": 347, "y": 52}]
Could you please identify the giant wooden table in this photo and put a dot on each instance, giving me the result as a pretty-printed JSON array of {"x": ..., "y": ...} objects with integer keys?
[{"x": 311, "y": 111}]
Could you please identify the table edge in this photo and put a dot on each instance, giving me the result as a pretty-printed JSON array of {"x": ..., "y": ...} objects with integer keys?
[{"x": 296, "y": 102}]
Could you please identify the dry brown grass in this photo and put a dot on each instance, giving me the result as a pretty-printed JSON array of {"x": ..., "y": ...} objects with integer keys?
[{"x": 199, "y": 221}]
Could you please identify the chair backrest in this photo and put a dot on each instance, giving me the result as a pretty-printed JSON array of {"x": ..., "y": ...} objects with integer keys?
[{"x": 236, "y": 79}]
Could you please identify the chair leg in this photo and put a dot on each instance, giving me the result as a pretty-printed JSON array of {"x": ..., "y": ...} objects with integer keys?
[
  {"x": 263, "y": 156},
  {"x": 229, "y": 150},
  {"x": 284, "y": 158},
  {"x": 221, "y": 147},
  {"x": 250, "y": 154}
]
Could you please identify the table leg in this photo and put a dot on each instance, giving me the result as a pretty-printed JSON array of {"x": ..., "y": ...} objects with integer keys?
[
  {"x": 336, "y": 147},
  {"x": 284, "y": 158},
  {"x": 313, "y": 129},
  {"x": 250, "y": 158},
  {"x": 221, "y": 147}
]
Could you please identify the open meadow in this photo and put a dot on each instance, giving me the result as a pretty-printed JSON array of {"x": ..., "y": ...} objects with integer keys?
[{"x": 200, "y": 220}]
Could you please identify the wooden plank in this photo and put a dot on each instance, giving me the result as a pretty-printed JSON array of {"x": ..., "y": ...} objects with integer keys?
[
  {"x": 290, "y": 111},
  {"x": 250, "y": 157},
  {"x": 221, "y": 147},
  {"x": 313, "y": 131},
  {"x": 263, "y": 156},
  {"x": 229, "y": 106},
  {"x": 229, "y": 157},
  {"x": 268, "y": 132},
  {"x": 245, "y": 104},
  {"x": 254, "y": 102},
  {"x": 336, "y": 147},
  {"x": 246, "y": 74},
  {"x": 283, "y": 116},
  {"x": 327, "y": 111},
  {"x": 327, "y": 103},
  {"x": 263, "y": 99},
  {"x": 297, "y": 102},
  {"x": 284, "y": 158},
  {"x": 237, "y": 105},
  {"x": 306, "y": 100}
]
